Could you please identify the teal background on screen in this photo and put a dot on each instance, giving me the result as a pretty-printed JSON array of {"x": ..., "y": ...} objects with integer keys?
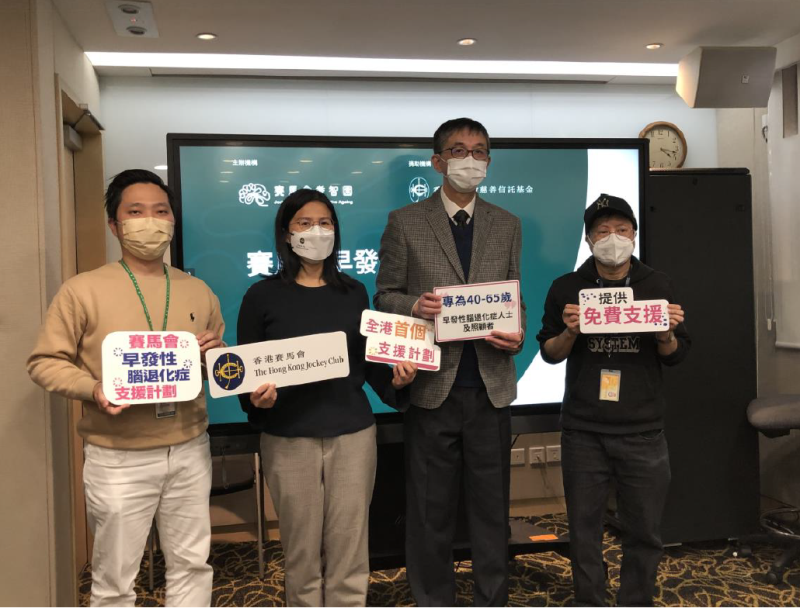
[{"x": 219, "y": 230}]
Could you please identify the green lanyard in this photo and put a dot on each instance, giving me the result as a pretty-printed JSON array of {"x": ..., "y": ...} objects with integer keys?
[{"x": 141, "y": 297}]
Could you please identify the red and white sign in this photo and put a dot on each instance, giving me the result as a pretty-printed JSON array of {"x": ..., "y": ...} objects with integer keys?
[
  {"x": 151, "y": 367},
  {"x": 612, "y": 310},
  {"x": 396, "y": 338}
]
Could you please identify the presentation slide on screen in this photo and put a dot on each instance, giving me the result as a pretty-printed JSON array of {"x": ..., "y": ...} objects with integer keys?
[{"x": 230, "y": 195}]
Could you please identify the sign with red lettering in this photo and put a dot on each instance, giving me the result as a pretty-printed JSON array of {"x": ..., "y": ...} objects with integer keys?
[
  {"x": 151, "y": 367},
  {"x": 612, "y": 310},
  {"x": 396, "y": 338}
]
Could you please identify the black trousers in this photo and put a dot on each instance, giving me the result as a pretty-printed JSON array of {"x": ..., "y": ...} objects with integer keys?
[
  {"x": 465, "y": 440},
  {"x": 639, "y": 463}
]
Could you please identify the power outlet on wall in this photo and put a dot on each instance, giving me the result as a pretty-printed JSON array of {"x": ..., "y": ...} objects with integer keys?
[
  {"x": 553, "y": 453},
  {"x": 517, "y": 456},
  {"x": 536, "y": 455}
]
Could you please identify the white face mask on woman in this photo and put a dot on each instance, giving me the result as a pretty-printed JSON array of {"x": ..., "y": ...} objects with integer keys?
[
  {"x": 146, "y": 237},
  {"x": 612, "y": 250},
  {"x": 465, "y": 174},
  {"x": 314, "y": 244}
]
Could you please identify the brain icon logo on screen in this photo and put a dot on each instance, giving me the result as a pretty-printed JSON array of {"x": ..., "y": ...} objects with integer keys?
[
  {"x": 254, "y": 193},
  {"x": 418, "y": 189}
]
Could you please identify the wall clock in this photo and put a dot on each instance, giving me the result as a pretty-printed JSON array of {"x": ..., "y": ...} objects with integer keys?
[{"x": 667, "y": 145}]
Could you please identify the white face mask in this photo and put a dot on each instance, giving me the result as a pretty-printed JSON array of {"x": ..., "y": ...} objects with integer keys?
[
  {"x": 146, "y": 237},
  {"x": 612, "y": 250},
  {"x": 315, "y": 244},
  {"x": 465, "y": 174}
]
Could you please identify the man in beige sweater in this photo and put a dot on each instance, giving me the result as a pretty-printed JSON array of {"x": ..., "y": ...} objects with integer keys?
[{"x": 141, "y": 461}]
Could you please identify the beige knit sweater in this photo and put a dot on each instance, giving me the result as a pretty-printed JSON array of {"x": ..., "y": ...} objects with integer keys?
[{"x": 67, "y": 357}]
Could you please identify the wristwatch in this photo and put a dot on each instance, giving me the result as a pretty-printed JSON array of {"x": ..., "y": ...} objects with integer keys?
[{"x": 670, "y": 338}]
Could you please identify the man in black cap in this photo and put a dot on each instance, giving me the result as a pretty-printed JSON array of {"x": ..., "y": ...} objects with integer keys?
[{"x": 620, "y": 439}]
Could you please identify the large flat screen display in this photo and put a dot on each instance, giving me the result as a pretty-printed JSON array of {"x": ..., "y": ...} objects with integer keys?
[{"x": 229, "y": 188}]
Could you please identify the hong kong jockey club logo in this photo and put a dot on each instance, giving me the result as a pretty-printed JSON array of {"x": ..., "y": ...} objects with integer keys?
[
  {"x": 254, "y": 193},
  {"x": 418, "y": 189},
  {"x": 229, "y": 371}
]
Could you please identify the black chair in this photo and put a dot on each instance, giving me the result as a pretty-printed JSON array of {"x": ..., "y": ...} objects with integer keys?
[{"x": 775, "y": 417}]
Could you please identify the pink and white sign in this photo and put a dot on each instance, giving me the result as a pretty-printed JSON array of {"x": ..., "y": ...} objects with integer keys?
[
  {"x": 472, "y": 312},
  {"x": 151, "y": 367},
  {"x": 397, "y": 338},
  {"x": 612, "y": 310}
]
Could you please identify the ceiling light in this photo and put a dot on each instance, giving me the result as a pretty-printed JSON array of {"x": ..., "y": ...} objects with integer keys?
[
  {"x": 467, "y": 41},
  {"x": 306, "y": 160},
  {"x": 293, "y": 172},
  {"x": 206, "y": 36},
  {"x": 278, "y": 63},
  {"x": 160, "y": 167},
  {"x": 226, "y": 171},
  {"x": 136, "y": 30},
  {"x": 224, "y": 181},
  {"x": 654, "y": 46},
  {"x": 377, "y": 162},
  {"x": 129, "y": 9},
  {"x": 357, "y": 172}
]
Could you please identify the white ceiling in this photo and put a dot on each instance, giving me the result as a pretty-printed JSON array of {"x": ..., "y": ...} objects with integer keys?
[{"x": 556, "y": 30}]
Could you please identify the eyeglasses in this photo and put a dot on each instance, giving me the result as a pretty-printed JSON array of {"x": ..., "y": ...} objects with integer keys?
[
  {"x": 461, "y": 152},
  {"x": 627, "y": 231},
  {"x": 304, "y": 224}
]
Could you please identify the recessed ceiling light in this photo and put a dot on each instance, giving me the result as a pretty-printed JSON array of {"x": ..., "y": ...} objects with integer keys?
[
  {"x": 467, "y": 41},
  {"x": 306, "y": 160},
  {"x": 357, "y": 172},
  {"x": 377, "y": 162},
  {"x": 129, "y": 9},
  {"x": 206, "y": 36},
  {"x": 160, "y": 167},
  {"x": 136, "y": 30},
  {"x": 293, "y": 172},
  {"x": 654, "y": 46}
]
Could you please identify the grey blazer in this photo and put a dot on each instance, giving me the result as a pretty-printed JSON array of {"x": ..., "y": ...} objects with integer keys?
[{"x": 418, "y": 253}]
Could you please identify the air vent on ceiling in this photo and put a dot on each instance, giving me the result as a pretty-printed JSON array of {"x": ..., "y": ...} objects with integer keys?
[{"x": 132, "y": 18}]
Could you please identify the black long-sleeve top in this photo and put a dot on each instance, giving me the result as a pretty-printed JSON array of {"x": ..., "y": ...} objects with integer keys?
[
  {"x": 641, "y": 405},
  {"x": 274, "y": 310}
]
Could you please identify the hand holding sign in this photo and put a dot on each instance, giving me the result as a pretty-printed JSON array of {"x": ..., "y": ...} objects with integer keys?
[
  {"x": 428, "y": 306},
  {"x": 403, "y": 374},
  {"x": 104, "y": 404},
  {"x": 264, "y": 396},
  {"x": 572, "y": 318}
]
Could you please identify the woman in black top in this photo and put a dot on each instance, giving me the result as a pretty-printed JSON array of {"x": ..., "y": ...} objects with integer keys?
[{"x": 318, "y": 439}]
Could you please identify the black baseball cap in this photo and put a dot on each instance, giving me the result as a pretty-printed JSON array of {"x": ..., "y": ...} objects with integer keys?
[{"x": 608, "y": 205}]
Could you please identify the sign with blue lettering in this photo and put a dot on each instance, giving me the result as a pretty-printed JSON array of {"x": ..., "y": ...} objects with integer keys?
[{"x": 151, "y": 367}]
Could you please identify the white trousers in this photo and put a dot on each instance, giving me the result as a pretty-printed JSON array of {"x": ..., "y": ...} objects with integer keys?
[
  {"x": 125, "y": 489},
  {"x": 321, "y": 489}
]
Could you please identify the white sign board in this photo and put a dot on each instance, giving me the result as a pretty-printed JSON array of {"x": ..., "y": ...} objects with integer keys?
[
  {"x": 396, "y": 338},
  {"x": 612, "y": 310},
  {"x": 151, "y": 367},
  {"x": 471, "y": 312},
  {"x": 242, "y": 369}
]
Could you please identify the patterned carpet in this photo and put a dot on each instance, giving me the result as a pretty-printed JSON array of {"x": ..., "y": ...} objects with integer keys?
[{"x": 701, "y": 574}]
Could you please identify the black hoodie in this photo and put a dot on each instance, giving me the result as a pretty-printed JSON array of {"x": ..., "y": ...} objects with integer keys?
[{"x": 641, "y": 403}]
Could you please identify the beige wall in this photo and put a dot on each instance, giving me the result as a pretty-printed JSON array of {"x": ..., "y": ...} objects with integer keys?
[
  {"x": 35, "y": 502},
  {"x": 742, "y": 145}
]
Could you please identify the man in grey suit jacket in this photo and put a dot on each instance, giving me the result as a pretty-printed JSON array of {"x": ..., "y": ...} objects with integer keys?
[{"x": 457, "y": 431}]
